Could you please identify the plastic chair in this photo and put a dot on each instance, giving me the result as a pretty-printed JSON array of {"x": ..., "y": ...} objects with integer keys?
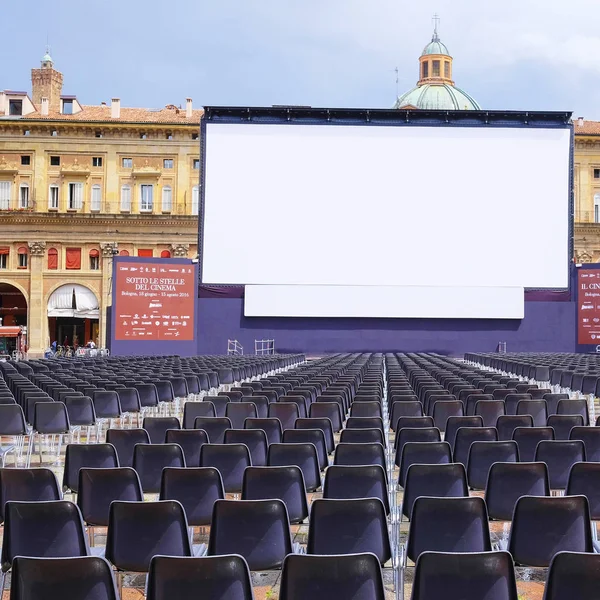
[
  {"x": 230, "y": 460},
  {"x": 424, "y": 453},
  {"x": 465, "y": 436},
  {"x": 303, "y": 456},
  {"x": 218, "y": 578},
  {"x": 190, "y": 440},
  {"x": 507, "y": 482},
  {"x": 271, "y": 427},
  {"x": 365, "y": 423},
  {"x": 559, "y": 456},
  {"x": 326, "y": 410},
  {"x": 99, "y": 487},
  {"x": 238, "y": 412},
  {"x": 309, "y": 436},
  {"x": 129, "y": 398},
  {"x": 359, "y": 454},
  {"x": 192, "y": 410},
  {"x": 527, "y": 439},
  {"x": 411, "y": 408},
  {"x": 464, "y": 576},
  {"x": 584, "y": 480},
  {"x": 366, "y": 409},
  {"x": 573, "y": 575},
  {"x": 219, "y": 404},
  {"x": 444, "y": 409},
  {"x": 214, "y": 426},
  {"x": 455, "y": 423},
  {"x": 286, "y": 412},
  {"x": 489, "y": 411},
  {"x": 150, "y": 459},
  {"x": 12, "y": 424},
  {"x": 417, "y": 434},
  {"x": 348, "y": 527},
  {"x": 482, "y": 455},
  {"x": 590, "y": 436},
  {"x": 507, "y": 424},
  {"x": 196, "y": 488},
  {"x": 356, "y": 576},
  {"x": 124, "y": 441},
  {"x": 282, "y": 483},
  {"x": 81, "y": 413},
  {"x": 447, "y": 525},
  {"x": 254, "y": 439},
  {"x": 436, "y": 481},
  {"x": 352, "y": 482},
  {"x": 300, "y": 402},
  {"x": 27, "y": 485},
  {"x": 536, "y": 408},
  {"x": 544, "y": 526},
  {"x": 552, "y": 401},
  {"x": 50, "y": 418},
  {"x": 322, "y": 423},
  {"x": 158, "y": 426},
  {"x": 574, "y": 407},
  {"x": 563, "y": 424},
  {"x": 362, "y": 436},
  {"x": 42, "y": 530},
  {"x": 94, "y": 456},
  {"x": 138, "y": 531},
  {"x": 88, "y": 577},
  {"x": 258, "y": 530}
]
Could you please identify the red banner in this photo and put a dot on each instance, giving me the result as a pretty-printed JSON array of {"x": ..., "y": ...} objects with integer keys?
[
  {"x": 588, "y": 309},
  {"x": 154, "y": 301}
]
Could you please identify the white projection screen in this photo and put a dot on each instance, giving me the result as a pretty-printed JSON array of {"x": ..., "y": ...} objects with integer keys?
[{"x": 369, "y": 205}]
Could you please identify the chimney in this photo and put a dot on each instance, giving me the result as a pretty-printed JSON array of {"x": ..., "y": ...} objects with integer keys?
[
  {"x": 580, "y": 121},
  {"x": 45, "y": 107},
  {"x": 188, "y": 108},
  {"x": 115, "y": 108}
]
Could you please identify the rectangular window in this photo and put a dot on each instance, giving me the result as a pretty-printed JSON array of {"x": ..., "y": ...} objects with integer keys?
[
  {"x": 73, "y": 258},
  {"x": 168, "y": 163},
  {"x": 53, "y": 197},
  {"x": 4, "y": 195},
  {"x": 96, "y": 199},
  {"x": 24, "y": 196},
  {"x": 96, "y": 161},
  {"x": 167, "y": 199},
  {"x": 196, "y": 164},
  {"x": 15, "y": 108},
  {"x": 446, "y": 69},
  {"x": 145, "y": 253},
  {"x": 75, "y": 196},
  {"x": 3, "y": 260},
  {"x": 127, "y": 163},
  {"x": 67, "y": 107},
  {"x": 435, "y": 68},
  {"x": 425, "y": 70},
  {"x": 596, "y": 173},
  {"x": 25, "y": 161},
  {"x": 125, "y": 198},
  {"x": 22, "y": 260},
  {"x": 195, "y": 200},
  {"x": 146, "y": 198},
  {"x": 94, "y": 263},
  {"x": 55, "y": 161}
]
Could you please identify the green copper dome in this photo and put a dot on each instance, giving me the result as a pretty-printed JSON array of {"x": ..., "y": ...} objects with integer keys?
[
  {"x": 435, "y": 47},
  {"x": 437, "y": 96}
]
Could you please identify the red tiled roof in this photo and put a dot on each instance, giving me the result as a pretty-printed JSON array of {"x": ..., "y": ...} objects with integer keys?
[
  {"x": 167, "y": 115},
  {"x": 587, "y": 128}
]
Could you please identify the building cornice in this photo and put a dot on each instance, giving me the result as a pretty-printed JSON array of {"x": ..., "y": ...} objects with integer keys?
[{"x": 90, "y": 220}]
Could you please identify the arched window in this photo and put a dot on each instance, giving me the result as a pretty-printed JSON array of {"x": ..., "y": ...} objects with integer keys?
[
  {"x": 195, "y": 199},
  {"x": 96, "y": 199},
  {"x": 125, "y": 198},
  {"x": 167, "y": 199},
  {"x": 124, "y": 253},
  {"x": 94, "y": 260},
  {"x": 597, "y": 208},
  {"x": 24, "y": 195},
  {"x": 52, "y": 258},
  {"x": 22, "y": 254},
  {"x": 165, "y": 254}
]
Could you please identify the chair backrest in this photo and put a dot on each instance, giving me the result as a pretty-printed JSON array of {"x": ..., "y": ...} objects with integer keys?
[
  {"x": 214, "y": 426},
  {"x": 507, "y": 424},
  {"x": 465, "y": 436},
  {"x": 359, "y": 454},
  {"x": 258, "y": 530},
  {"x": 574, "y": 407},
  {"x": 191, "y": 410},
  {"x": 489, "y": 411},
  {"x": 327, "y": 410},
  {"x": 284, "y": 483},
  {"x": 448, "y": 525},
  {"x": 12, "y": 420},
  {"x": 414, "y": 434},
  {"x": 349, "y": 527},
  {"x": 536, "y": 408},
  {"x": 106, "y": 404},
  {"x": 42, "y": 529},
  {"x": 356, "y": 576},
  {"x": 343, "y": 482},
  {"x": 150, "y": 459},
  {"x": 560, "y": 456},
  {"x": 404, "y": 408},
  {"x": 424, "y": 453},
  {"x": 527, "y": 439},
  {"x": 271, "y": 427},
  {"x": 552, "y": 401},
  {"x": 437, "y": 481},
  {"x": 444, "y": 409},
  {"x": 254, "y": 439},
  {"x": 482, "y": 455},
  {"x": 80, "y": 410},
  {"x": 544, "y": 526},
  {"x": 129, "y": 399},
  {"x": 157, "y": 427},
  {"x": 361, "y": 436},
  {"x": 77, "y": 456},
  {"x": 464, "y": 576},
  {"x": 507, "y": 482},
  {"x": 190, "y": 440},
  {"x": 27, "y": 485},
  {"x": 584, "y": 480},
  {"x": 573, "y": 575},
  {"x": 124, "y": 441},
  {"x": 311, "y": 436},
  {"x": 453, "y": 424},
  {"x": 590, "y": 436},
  {"x": 366, "y": 409},
  {"x": 563, "y": 424},
  {"x": 97, "y": 488},
  {"x": 219, "y": 404},
  {"x": 286, "y": 412},
  {"x": 230, "y": 460},
  {"x": 50, "y": 417},
  {"x": 219, "y": 578},
  {"x": 302, "y": 455},
  {"x": 322, "y": 423},
  {"x": 196, "y": 488},
  {"x": 88, "y": 577},
  {"x": 238, "y": 412},
  {"x": 137, "y": 531}
]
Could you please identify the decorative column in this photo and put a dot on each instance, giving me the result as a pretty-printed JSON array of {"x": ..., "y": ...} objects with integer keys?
[
  {"x": 37, "y": 323},
  {"x": 180, "y": 250},
  {"x": 109, "y": 251}
]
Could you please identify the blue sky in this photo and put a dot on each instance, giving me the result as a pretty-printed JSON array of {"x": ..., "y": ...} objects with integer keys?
[{"x": 518, "y": 54}]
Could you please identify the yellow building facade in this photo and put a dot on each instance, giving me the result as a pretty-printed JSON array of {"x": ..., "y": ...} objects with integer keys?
[{"x": 80, "y": 184}]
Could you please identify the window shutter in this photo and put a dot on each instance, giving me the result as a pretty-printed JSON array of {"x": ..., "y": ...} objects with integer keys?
[
  {"x": 147, "y": 253},
  {"x": 126, "y": 198},
  {"x": 4, "y": 195},
  {"x": 78, "y": 196},
  {"x": 52, "y": 259},
  {"x": 195, "y": 200},
  {"x": 96, "y": 197},
  {"x": 73, "y": 258},
  {"x": 167, "y": 199}
]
